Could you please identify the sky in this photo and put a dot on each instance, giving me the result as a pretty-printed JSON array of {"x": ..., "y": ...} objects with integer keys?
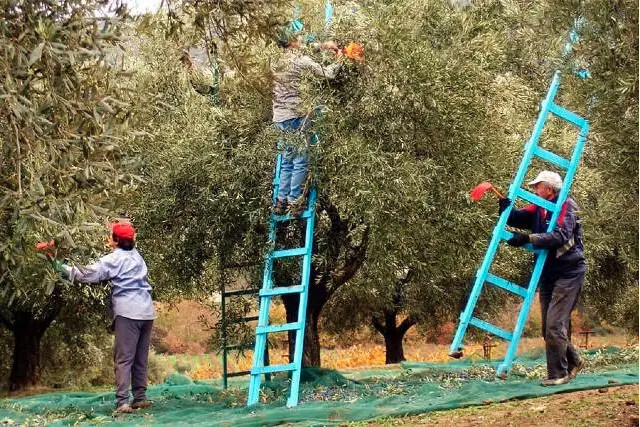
[
  {"x": 143, "y": 6},
  {"x": 136, "y": 7}
]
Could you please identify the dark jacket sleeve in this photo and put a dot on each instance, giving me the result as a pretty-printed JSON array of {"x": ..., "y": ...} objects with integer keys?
[
  {"x": 523, "y": 218},
  {"x": 563, "y": 233}
]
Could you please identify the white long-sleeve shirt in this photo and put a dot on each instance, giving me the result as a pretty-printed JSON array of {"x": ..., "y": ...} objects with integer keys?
[
  {"x": 287, "y": 74},
  {"x": 127, "y": 271}
]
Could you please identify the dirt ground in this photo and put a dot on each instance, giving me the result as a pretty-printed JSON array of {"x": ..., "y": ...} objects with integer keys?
[{"x": 616, "y": 406}]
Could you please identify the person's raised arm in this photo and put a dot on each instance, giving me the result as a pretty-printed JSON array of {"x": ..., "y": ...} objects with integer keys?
[{"x": 329, "y": 72}]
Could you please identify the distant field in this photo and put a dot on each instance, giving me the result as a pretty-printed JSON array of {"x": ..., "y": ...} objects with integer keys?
[
  {"x": 187, "y": 338},
  {"x": 209, "y": 365}
]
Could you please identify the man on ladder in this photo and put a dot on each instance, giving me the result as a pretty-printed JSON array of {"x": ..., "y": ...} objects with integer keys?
[
  {"x": 562, "y": 275},
  {"x": 287, "y": 117}
]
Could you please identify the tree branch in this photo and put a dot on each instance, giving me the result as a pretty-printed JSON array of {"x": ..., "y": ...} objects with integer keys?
[
  {"x": 54, "y": 306},
  {"x": 338, "y": 227},
  {"x": 377, "y": 325},
  {"x": 351, "y": 265},
  {"x": 400, "y": 284},
  {"x": 406, "y": 324}
]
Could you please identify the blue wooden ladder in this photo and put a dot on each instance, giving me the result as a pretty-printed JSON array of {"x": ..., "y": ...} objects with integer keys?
[
  {"x": 531, "y": 150},
  {"x": 269, "y": 290}
]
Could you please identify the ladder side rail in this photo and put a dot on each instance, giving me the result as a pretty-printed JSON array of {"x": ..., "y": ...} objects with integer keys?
[
  {"x": 265, "y": 301},
  {"x": 535, "y": 137},
  {"x": 302, "y": 308},
  {"x": 261, "y": 341}
]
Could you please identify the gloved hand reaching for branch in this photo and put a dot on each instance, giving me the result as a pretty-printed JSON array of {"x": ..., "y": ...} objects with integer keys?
[
  {"x": 518, "y": 239},
  {"x": 59, "y": 267},
  {"x": 504, "y": 204}
]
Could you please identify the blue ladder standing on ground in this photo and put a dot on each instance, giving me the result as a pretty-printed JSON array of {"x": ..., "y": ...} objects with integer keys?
[
  {"x": 269, "y": 290},
  {"x": 532, "y": 149}
]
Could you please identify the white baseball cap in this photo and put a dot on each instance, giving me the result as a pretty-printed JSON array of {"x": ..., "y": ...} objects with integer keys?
[{"x": 551, "y": 178}]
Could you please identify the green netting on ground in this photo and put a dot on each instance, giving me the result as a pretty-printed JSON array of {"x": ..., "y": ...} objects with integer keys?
[{"x": 328, "y": 397}]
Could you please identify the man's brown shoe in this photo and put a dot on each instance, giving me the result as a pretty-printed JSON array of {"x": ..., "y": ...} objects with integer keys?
[
  {"x": 574, "y": 371},
  {"x": 550, "y": 382},
  {"x": 125, "y": 408},
  {"x": 141, "y": 404},
  {"x": 298, "y": 206},
  {"x": 280, "y": 208}
]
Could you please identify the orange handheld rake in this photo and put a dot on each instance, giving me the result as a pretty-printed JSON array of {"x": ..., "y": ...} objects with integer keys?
[
  {"x": 46, "y": 247},
  {"x": 481, "y": 189},
  {"x": 354, "y": 51}
]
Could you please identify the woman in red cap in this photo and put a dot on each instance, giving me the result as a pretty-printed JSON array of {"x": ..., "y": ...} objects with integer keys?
[{"x": 132, "y": 312}]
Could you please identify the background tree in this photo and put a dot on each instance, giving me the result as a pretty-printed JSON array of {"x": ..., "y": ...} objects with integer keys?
[
  {"x": 425, "y": 102},
  {"x": 610, "y": 210}
]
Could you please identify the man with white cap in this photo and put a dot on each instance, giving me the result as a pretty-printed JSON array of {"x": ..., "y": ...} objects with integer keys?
[{"x": 562, "y": 275}]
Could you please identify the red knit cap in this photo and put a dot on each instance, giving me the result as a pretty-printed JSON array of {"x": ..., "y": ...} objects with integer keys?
[{"x": 123, "y": 230}]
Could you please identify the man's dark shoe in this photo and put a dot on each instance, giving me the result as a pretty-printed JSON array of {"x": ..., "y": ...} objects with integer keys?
[
  {"x": 125, "y": 408},
  {"x": 141, "y": 404},
  {"x": 549, "y": 382},
  {"x": 280, "y": 208},
  {"x": 298, "y": 206},
  {"x": 574, "y": 371}
]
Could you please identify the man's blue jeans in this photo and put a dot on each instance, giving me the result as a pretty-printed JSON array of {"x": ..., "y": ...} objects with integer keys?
[{"x": 294, "y": 163}]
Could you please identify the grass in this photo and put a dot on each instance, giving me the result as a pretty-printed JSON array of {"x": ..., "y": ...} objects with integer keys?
[{"x": 605, "y": 407}]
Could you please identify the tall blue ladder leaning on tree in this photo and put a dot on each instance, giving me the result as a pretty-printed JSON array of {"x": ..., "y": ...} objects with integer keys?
[
  {"x": 531, "y": 150},
  {"x": 269, "y": 290}
]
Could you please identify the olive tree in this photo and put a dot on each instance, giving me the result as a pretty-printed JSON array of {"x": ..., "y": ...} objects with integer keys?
[{"x": 62, "y": 171}]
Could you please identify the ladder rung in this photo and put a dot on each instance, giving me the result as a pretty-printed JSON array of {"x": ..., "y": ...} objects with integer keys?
[
  {"x": 244, "y": 319},
  {"x": 551, "y": 157},
  {"x": 273, "y": 368},
  {"x": 277, "y": 328},
  {"x": 567, "y": 115},
  {"x": 506, "y": 235},
  {"x": 241, "y": 292},
  {"x": 283, "y": 253},
  {"x": 283, "y": 290},
  {"x": 535, "y": 199},
  {"x": 506, "y": 285},
  {"x": 287, "y": 217},
  {"x": 237, "y": 374},
  {"x": 488, "y": 327}
]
